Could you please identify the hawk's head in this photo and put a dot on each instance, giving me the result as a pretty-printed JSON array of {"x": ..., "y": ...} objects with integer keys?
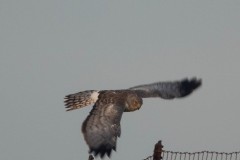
[{"x": 133, "y": 102}]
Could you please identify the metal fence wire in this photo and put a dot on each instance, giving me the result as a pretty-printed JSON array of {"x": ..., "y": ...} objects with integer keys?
[{"x": 203, "y": 155}]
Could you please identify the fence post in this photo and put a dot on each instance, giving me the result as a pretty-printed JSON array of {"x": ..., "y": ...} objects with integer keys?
[{"x": 157, "y": 153}]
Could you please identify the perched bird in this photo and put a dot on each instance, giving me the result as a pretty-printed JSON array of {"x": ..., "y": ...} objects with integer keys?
[{"x": 102, "y": 126}]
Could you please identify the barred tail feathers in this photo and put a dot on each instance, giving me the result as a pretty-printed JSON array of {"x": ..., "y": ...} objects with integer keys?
[{"x": 80, "y": 99}]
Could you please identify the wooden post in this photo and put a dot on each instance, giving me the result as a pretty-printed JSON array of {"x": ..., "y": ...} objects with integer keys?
[{"x": 157, "y": 153}]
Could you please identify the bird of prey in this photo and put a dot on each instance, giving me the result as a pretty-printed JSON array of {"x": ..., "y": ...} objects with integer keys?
[{"x": 102, "y": 126}]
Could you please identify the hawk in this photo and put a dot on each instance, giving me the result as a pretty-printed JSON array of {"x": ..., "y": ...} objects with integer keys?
[{"x": 102, "y": 126}]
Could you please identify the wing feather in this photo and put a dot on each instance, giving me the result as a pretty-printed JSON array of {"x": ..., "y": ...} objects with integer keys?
[
  {"x": 168, "y": 90},
  {"x": 102, "y": 126}
]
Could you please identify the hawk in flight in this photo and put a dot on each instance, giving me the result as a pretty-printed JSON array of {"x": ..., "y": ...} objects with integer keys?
[{"x": 102, "y": 126}]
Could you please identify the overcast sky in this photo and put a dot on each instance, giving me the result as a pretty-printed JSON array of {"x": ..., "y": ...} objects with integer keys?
[{"x": 51, "y": 48}]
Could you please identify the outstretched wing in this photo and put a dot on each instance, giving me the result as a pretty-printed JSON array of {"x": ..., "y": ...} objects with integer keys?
[
  {"x": 168, "y": 90},
  {"x": 80, "y": 99},
  {"x": 102, "y": 126}
]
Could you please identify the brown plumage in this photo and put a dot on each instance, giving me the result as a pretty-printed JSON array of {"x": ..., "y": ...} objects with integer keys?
[{"x": 102, "y": 126}]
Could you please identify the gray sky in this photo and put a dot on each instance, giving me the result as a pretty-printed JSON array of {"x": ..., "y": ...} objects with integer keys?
[{"x": 51, "y": 48}]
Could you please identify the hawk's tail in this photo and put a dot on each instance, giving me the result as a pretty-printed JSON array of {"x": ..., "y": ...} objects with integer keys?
[{"x": 80, "y": 99}]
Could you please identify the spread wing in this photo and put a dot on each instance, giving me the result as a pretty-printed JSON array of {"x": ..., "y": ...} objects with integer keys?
[
  {"x": 80, "y": 99},
  {"x": 102, "y": 126},
  {"x": 168, "y": 90}
]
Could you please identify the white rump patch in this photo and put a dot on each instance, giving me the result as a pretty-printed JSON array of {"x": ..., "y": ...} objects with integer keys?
[{"x": 94, "y": 96}]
